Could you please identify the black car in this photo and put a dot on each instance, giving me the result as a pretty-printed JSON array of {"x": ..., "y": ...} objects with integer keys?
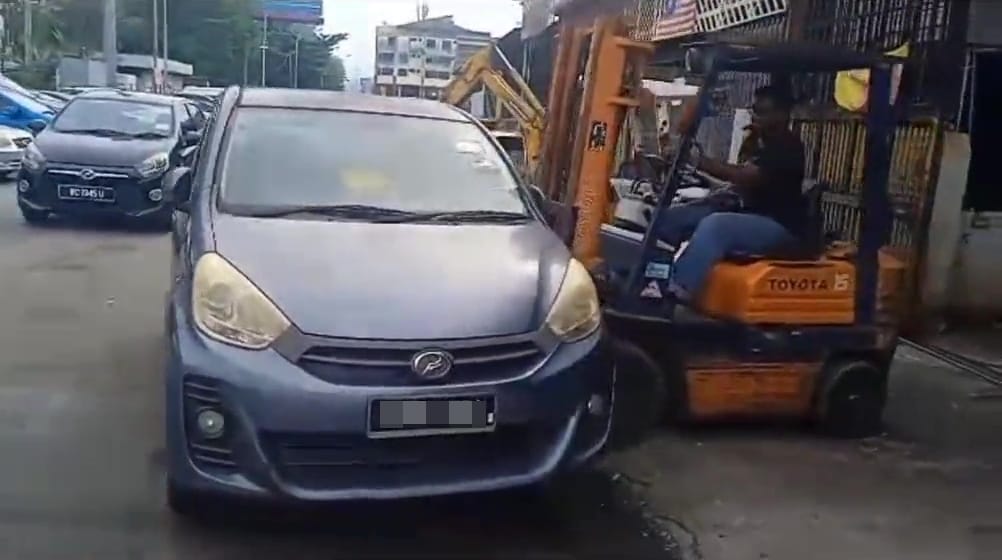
[{"x": 106, "y": 154}]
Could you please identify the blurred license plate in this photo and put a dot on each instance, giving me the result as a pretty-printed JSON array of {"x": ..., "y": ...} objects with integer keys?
[
  {"x": 91, "y": 194},
  {"x": 403, "y": 418}
]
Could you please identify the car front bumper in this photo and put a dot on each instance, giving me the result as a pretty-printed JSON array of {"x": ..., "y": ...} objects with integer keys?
[
  {"x": 292, "y": 436},
  {"x": 10, "y": 160},
  {"x": 38, "y": 190}
]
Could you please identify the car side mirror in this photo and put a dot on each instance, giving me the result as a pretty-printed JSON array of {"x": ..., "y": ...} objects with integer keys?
[
  {"x": 37, "y": 126},
  {"x": 192, "y": 137},
  {"x": 539, "y": 198},
  {"x": 177, "y": 185}
]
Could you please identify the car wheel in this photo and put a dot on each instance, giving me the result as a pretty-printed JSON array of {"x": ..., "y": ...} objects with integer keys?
[
  {"x": 162, "y": 221},
  {"x": 184, "y": 503},
  {"x": 33, "y": 216}
]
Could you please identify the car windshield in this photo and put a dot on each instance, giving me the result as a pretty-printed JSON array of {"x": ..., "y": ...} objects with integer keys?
[
  {"x": 288, "y": 158},
  {"x": 126, "y": 117}
]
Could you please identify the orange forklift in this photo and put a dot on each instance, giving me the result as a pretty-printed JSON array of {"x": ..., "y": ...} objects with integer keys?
[{"x": 807, "y": 332}]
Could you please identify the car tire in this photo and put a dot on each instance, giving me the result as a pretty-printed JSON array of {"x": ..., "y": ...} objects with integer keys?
[
  {"x": 162, "y": 221},
  {"x": 184, "y": 503},
  {"x": 33, "y": 216}
]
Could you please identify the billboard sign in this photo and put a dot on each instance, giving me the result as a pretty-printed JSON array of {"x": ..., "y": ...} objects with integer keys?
[{"x": 296, "y": 11}]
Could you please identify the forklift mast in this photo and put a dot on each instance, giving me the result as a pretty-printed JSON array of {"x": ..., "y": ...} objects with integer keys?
[{"x": 608, "y": 89}]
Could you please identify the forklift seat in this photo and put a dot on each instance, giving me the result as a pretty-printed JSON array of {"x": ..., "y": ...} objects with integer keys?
[{"x": 810, "y": 247}]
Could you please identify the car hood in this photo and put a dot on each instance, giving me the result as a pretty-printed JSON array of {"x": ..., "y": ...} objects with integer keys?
[
  {"x": 399, "y": 281},
  {"x": 98, "y": 151}
]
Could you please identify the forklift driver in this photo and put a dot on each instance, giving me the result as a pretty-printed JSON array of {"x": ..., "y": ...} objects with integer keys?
[{"x": 768, "y": 179}]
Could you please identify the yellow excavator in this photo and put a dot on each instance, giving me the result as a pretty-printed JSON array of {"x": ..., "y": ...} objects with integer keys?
[{"x": 489, "y": 68}]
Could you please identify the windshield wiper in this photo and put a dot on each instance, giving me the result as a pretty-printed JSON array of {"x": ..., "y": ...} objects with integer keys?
[
  {"x": 94, "y": 131},
  {"x": 349, "y": 211},
  {"x": 467, "y": 217},
  {"x": 145, "y": 135}
]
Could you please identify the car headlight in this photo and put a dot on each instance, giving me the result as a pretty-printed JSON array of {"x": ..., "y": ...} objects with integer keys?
[
  {"x": 32, "y": 159},
  {"x": 575, "y": 313},
  {"x": 230, "y": 308},
  {"x": 153, "y": 165}
]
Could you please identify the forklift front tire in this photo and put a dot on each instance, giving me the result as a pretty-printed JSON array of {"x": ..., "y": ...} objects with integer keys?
[{"x": 639, "y": 395}]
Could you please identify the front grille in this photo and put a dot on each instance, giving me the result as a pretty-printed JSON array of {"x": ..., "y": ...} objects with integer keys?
[
  {"x": 201, "y": 393},
  {"x": 326, "y": 461},
  {"x": 383, "y": 366},
  {"x": 131, "y": 194}
]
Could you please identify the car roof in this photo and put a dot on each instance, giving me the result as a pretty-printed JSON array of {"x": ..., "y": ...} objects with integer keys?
[
  {"x": 141, "y": 97},
  {"x": 355, "y": 102}
]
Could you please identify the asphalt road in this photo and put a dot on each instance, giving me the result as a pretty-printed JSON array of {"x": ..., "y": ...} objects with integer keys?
[{"x": 81, "y": 446}]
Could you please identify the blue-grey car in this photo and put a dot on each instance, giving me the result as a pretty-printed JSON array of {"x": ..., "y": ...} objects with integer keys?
[{"x": 368, "y": 304}]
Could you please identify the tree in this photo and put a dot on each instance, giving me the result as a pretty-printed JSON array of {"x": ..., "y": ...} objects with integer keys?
[{"x": 220, "y": 38}]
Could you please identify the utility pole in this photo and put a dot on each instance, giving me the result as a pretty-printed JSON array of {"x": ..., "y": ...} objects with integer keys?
[
  {"x": 156, "y": 48},
  {"x": 111, "y": 42},
  {"x": 27, "y": 31}
]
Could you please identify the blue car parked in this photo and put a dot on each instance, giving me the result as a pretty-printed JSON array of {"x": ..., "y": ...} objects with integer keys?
[
  {"x": 20, "y": 110},
  {"x": 367, "y": 304}
]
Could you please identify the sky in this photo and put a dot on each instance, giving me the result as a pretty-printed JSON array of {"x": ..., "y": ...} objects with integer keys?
[{"x": 359, "y": 19}]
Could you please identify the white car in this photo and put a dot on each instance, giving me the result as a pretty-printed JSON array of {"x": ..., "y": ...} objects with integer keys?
[{"x": 13, "y": 141}]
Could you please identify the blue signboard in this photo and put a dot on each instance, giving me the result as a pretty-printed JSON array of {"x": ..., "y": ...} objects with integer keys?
[{"x": 298, "y": 11}]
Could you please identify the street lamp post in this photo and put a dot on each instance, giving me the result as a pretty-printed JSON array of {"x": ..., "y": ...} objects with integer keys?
[
  {"x": 166, "y": 55},
  {"x": 264, "y": 51},
  {"x": 110, "y": 42},
  {"x": 295, "y": 66},
  {"x": 28, "y": 28},
  {"x": 156, "y": 48}
]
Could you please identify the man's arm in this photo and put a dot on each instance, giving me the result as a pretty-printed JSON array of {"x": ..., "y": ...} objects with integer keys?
[{"x": 743, "y": 176}]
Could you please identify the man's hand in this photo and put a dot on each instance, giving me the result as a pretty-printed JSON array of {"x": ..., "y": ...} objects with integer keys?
[{"x": 695, "y": 155}]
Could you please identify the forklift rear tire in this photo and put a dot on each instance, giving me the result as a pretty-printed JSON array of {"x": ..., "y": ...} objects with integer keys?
[
  {"x": 851, "y": 404},
  {"x": 639, "y": 395}
]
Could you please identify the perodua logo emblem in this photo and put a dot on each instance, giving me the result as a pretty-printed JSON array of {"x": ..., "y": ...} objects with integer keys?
[
  {"x": 431, "y": 364},
  {"x": 87, "y": 174}
]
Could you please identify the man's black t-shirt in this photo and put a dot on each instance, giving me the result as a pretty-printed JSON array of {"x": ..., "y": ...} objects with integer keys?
[{"x": 780, "y": 196}]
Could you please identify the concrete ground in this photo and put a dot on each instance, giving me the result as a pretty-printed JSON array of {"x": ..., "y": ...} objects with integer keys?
[
  {"x": 929, "y": 489},
  {"x": 81, "y": 444},
  {"x": 81, "y": 454}
]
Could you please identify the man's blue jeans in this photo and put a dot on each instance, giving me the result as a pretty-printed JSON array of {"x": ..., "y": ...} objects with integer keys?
[{"x": 714, "y": 235}]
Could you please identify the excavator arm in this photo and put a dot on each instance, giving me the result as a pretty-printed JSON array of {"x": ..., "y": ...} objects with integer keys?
[{"x": 490, "y": 69}]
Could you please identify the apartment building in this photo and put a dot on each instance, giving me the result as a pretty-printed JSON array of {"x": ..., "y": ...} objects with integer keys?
[{"x": 418, "y": 59}]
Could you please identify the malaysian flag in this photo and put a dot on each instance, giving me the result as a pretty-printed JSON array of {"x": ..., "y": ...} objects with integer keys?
[{"x": 678, "y": 17}]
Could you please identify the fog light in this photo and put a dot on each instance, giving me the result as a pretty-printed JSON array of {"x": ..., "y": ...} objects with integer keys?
[
  {"x": 211, "y": 423},
  {"x": 596, "y": 405},
  {"x": 23, "y": 186},
  {"x": 156, "y": 195}
]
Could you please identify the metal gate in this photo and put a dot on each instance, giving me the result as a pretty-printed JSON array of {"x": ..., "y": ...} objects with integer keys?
[{"x": 835, "y": 156}]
